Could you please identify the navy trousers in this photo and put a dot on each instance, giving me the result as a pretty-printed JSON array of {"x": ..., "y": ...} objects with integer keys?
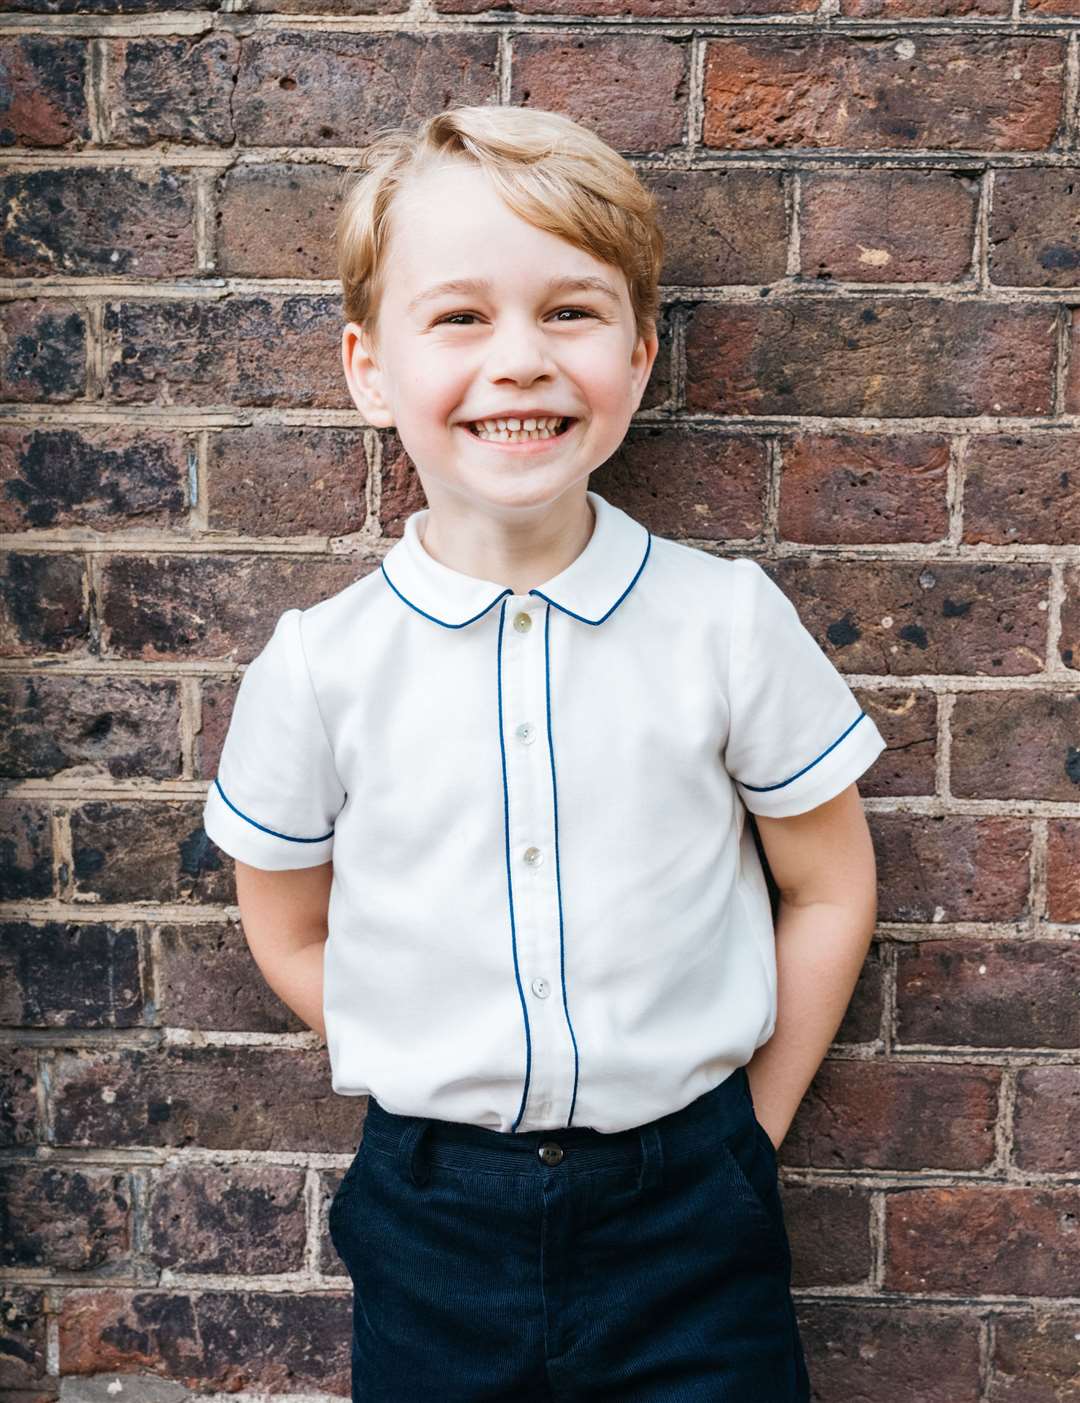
[{"x": 650, "y": 1265}]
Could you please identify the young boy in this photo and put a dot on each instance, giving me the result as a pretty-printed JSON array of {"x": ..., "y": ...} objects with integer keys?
[{"x": 489, "y": 810}]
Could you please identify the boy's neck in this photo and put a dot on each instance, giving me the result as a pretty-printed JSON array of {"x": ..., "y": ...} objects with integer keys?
[{"x": 522, "y": 559}]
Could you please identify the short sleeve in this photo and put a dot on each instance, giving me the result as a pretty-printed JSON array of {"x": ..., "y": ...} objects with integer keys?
[
  {"x": 277, "y": 793},
  {"x": 797, "y": 735}
]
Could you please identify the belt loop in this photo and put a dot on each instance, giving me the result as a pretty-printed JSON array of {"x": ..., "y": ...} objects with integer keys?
[
  {"x": 652, "y": 1157},
  {"x": 409, "y": 1153}
]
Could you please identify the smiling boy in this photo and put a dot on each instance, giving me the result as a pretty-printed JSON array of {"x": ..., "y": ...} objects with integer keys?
[{"x": 488, "y": 806}]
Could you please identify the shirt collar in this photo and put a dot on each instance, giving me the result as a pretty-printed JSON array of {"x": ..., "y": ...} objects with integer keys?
[{"x": 590, "y": 588}]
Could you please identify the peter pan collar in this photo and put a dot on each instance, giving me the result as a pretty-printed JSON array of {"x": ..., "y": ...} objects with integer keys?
[{"x": 590, "y": 588}]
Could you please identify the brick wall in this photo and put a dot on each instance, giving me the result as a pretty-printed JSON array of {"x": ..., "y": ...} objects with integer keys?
[{"x": 869, "y": 380}]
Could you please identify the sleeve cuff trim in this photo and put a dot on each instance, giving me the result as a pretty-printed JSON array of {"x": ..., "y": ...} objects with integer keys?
[
  {"x": 763, "y": 788},
  {"x": 262, "y": 826}
]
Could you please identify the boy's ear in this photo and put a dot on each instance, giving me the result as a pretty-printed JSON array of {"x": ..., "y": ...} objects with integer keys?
[
  {"x": 364, "y": 377},
  {"x": 642, "y": 359}
]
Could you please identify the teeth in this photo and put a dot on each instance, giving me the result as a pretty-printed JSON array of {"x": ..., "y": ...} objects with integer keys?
[{"x": 512, "y": 430}]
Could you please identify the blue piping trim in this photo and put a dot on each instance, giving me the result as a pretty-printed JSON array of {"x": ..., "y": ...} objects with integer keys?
[
  {"x": 509, "y": 878},
  {"x": 558, "y": 873},
  {"x": 262, "y": 826},
  {"x": 540, "y": 593},
  {"x": 761, "y": 788},
  {"x": 432, "y": 617}
]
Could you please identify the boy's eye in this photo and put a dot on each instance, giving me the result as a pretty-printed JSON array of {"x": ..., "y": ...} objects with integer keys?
[{"x": 452, "y": 317}]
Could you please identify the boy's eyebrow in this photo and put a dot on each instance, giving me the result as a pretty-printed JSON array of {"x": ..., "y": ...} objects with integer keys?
[{"x": 467, "y": 285}]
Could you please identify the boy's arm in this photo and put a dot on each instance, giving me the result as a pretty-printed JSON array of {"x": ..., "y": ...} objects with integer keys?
[
  {"x": 284, "y": 916},
  {"x": 823, "y": 863}
]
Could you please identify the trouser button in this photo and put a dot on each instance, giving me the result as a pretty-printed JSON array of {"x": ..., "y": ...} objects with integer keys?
[{"x": 549, "y": 1152}]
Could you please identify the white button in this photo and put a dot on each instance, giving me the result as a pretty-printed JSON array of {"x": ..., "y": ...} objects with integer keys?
[
  {"x": 533, "y": 856},
  {"x": 526, "y": 733},
  {"x": 523, "y": 622},
  {"x": 541, "y": 988}
]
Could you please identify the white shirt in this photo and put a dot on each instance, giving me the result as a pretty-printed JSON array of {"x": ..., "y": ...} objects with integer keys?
[{"x": 547, "y": 908}]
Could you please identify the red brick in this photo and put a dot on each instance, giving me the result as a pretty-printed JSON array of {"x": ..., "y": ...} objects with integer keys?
[
  {"x": 206, "y": 977},
  {"x": 1072, "y": 384},
  {"x": 870, "y": 357},
  {"x": 908, "y": 722},
  {"x": 1022, "y": 488},
  {"x": 829, "y": 1229},
  {"x": 618, "y": 9},
  {"x": 864, "y": 488},
  {"x": 988, "y": 993},
  {"x": 280, "y": 480},
  {"x": 1016, "y": 745},
  {"x": 23, "y": 1362},
  {"x": 44, "y": 85},
  {"x": 924, "y": 9},
  {"x": 1063, "y": 869},
  {"x": 981, "y": 1240},
  {"x": 1046, "y": 1117},
  {"x": 1069, "y": 642},
  {"x": 720, "y": 226},
  {"x": 951, "y": 867},
  {"x": 310, "y": 88},
  {"x": 1034, "y": 1357},
  {"x": 171, "y": 89},
  {"x": 630, "y": 89},
  {"x": 276, "y": 220},
  {"x": 230, "y": 1219},
  {"x": 871, "y": 226},
  {"x": 862, "y": 1017},
  {"x": 1035, "y": 227},
  {"x": 946, "y": 92},
  {"x": 880, "y": 1114},
  {"x": 42, "y": 351}
]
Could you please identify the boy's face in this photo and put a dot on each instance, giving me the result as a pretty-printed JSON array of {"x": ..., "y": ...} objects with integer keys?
[{"x": 514, "y": 347}]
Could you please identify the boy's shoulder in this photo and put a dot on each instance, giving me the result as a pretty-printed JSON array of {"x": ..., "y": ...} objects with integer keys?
[{"x": 679, "y": 563}]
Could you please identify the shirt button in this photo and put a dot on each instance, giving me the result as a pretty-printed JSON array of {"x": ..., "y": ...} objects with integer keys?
[
  {"x": 550, "y": 1153},
  {"x": 541, "y": 988},
  {"x": 526, "y": 733},
  {"x": 533, "y": 856},
  {"x": 523, "y": 622}
]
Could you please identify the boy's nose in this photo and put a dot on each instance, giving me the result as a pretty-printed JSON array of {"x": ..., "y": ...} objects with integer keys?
[{"x": 518, "y": 353}]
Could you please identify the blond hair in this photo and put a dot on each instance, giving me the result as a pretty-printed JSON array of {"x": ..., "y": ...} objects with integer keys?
[{"x": 548, "y": 169}]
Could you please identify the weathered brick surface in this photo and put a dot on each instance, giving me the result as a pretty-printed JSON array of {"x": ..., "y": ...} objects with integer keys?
[
  {"x": 868, "y": 370},
  {"x": 105, "y": 478},
  {"x": 821, "y": 355},
  {"x": 992, "y": 993},
  {"x": 870, "y": 226},
  {"x": 947, "y": 92},
  {"x": 276, "y": 480},
  {"x": 64, "y": 974}
]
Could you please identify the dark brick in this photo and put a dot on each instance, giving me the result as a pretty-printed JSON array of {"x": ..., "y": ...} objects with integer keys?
[
  {"x": 212, "y": 1341},
  {"x": 720, "y": 226},
  {"x": 277, "y": 480},
  {"x": 829, "y": 1230},
  {"x": 215, "y": 1098},
  {"x": 924, "y": 9},
  {"x": 631, "y": 89},
  {"x": 977, "y": 1240},
  {"x": 870, "y": 357},
  {"x": 280, "y": 351},
  {"x": 1063, "y": 869},
  {"x": 954, "y": 92},
  {"x": 141, "y": 850},
  {"x": 43, "y": 80},
  {"x": 1022, "y": 488},
  {"x": 871, "y": 226},
  {"x": 229, "y": 1218},
  {"x": 312, "y": 88},
  {"x": 847, "y": 489},
  {"x": 908, "y": 722},
  {"x": 1072, "y": 383},
  {"x": 1046, "y": 1118},
  {"x": 1016, "y": 745},
  {"x": 65, "y": 975},
  {"x": 219, "y": 606},
  {"x": 346, "y": 8},
  {"x": 115, "y": 222},
  {"x": 42, "y": 351},
  {"x": 62, "y": 1218},
  {"x": 951, "y": 867},
  {"x": 122, "y": 727},
  {"x": 206, "y": 978},
  {"x": 1033, "y": 1359},
  {"x": 1035, "y": 227},
  {"x": 107, "y": 478},
  {"x": 684, "y": 481},
  {"x": 894, "y": 1115},
  {"x": 18, "y": 1104},
  {"x": 618, "y": 9},
  {"x": 26, "y": 850},
  {"x": 903, "y": 617},
  {"x": 277, "y": 221},
  {"x": 862, "y": 1353},
  {"x": 23, "y": 1362},
  {"x": 171, "y": 89},
  {"x": 862, "y": 1018},
  {"x": 42, "y": 605},
  {"x": 988, "y": 993},
  {"x": 216, "y": 702},
  {"x": 661, "y": 387}
]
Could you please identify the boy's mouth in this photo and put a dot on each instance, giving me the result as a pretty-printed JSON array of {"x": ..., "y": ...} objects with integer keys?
[{"x": 518, "y": 430}]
